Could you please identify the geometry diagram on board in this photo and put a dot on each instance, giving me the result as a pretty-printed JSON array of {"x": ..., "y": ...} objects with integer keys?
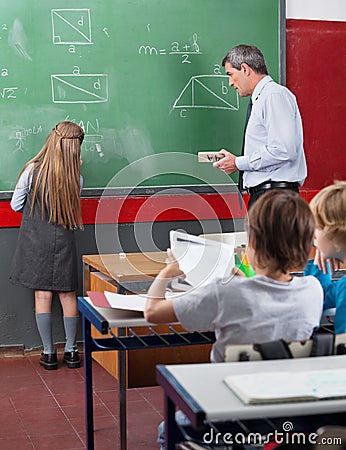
[
  {"x": 71, "y": 26},
  {"x": 85, "y": 88},
  {"x": 208, "y": 91}
]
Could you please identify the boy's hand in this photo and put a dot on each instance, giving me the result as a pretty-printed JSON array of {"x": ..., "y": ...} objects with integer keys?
[
  {"x": 172, "y": 269},
  {"x": 321, "y": 262},
  {"x": 237, "y": 272}
]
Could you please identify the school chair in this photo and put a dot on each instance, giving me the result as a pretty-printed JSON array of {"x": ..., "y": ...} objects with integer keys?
[
  {"x": 189, "y": 445},
  {"x": 320, "y": 344},
  {"x": 331, "y": 437}
]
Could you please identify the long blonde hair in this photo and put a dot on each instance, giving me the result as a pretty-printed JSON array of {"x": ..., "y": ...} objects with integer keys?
[{"x": 57, "y": 182}]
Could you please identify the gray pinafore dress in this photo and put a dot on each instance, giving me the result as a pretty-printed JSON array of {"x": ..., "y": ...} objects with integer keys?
[{"x": 45, "y": 257}]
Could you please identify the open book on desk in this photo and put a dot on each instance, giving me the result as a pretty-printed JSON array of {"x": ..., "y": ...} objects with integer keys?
[
  {"x": 200, "y": 259},
  {"x": 280, "y": 387}
]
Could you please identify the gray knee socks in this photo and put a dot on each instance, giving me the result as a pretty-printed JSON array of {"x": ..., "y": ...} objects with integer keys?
[
  {"x": 44, "y": 325},
  {"x": 71, "y": 326}
]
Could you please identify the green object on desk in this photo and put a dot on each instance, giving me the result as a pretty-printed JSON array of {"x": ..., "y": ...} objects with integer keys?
[
  {"x": 247, "y": 269},
  {"x": 244, "y": 266}
]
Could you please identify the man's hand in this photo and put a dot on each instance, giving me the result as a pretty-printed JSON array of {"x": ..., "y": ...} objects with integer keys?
[{"x": 227, "y": 163}]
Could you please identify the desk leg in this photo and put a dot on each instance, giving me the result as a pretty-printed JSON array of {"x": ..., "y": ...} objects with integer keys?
[
  {"x": 122, "y": 393},
  {"x": 89, "y": 413},
  {"x": 170, "y": 424},
  {"x": 86, "y": 278}
]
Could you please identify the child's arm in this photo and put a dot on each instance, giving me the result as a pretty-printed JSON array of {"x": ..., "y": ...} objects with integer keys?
[
  {"x": 340, "y": 312},
  {"x": 21, "y": 190},
  {"x": 158, "y": 309},
  {"x": 329, "y": 286}
]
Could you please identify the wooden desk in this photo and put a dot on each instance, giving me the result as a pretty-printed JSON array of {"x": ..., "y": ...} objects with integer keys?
[
  {"x": 132, "y": 267},
  {"x": 116, "y": 274},
  {"x": 199, "y": 391}
]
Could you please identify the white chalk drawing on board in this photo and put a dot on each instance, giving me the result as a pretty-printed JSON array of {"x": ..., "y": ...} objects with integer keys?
[
  {"x": 81, "y": 88},
  {"x": 71, "y": 26},
  {"x": 208, "y": 91}
]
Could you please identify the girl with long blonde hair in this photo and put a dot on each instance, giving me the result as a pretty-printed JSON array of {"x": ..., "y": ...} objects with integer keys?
[{"x": 48, "y": 193}]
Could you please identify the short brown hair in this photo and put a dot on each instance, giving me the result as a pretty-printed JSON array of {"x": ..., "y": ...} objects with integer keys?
[
  {"x": 281, "y": 229},
  {"x": 329, "y": 209},
  {"x": 248, "y": 54}
]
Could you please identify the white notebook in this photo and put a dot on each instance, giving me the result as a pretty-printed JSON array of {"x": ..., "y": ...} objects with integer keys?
[{"x": 279, "y": 387}]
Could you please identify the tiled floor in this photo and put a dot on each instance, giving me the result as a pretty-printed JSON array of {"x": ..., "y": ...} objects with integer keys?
[{"x": 41, "y": 409}]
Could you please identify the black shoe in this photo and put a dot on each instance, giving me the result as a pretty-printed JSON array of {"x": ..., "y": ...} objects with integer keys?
[
  {"x": 49, "y": 361},
  {"x": 72, "y": 359}
]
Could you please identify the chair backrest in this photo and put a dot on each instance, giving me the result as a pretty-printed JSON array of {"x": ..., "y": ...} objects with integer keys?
[
  {"x": 334, "y": 436},
  {"x": 320, "y": 344}
]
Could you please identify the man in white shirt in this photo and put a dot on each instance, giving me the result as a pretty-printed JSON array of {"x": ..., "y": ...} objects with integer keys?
[{"x": 273, "y": 153}]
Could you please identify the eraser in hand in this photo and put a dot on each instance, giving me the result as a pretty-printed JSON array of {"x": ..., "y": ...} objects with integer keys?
[{"x": 210, "y": 157}]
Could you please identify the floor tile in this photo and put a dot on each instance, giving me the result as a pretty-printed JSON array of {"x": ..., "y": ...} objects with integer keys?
[
  {"x": 41, "y": 409},
  {"x": 16, "y": 443}
]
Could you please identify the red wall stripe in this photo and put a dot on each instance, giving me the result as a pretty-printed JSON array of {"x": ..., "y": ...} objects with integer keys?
[{"x": 151, "y": 209}]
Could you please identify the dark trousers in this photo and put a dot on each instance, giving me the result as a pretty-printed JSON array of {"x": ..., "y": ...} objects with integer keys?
[{"x": 256, "y": 195}]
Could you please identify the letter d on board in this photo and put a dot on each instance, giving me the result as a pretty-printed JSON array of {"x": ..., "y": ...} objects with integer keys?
[{"x": 97, "y": 84}]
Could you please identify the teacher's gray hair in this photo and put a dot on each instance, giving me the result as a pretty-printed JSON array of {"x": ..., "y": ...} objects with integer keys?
[{"x": 247, "y": 54}]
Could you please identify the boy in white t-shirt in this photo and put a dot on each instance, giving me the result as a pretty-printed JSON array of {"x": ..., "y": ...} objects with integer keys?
[{"x": 271, "y": 305}]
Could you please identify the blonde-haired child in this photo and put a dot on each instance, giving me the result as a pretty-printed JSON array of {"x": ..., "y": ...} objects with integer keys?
[{"x": 329, "y": 210}]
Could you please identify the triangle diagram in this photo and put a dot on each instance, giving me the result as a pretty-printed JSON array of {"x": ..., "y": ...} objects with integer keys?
[{"x": 206, "y": 91}]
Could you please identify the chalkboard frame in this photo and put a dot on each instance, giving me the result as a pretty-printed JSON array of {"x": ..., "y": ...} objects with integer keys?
[{"x": 226, "y": 188}]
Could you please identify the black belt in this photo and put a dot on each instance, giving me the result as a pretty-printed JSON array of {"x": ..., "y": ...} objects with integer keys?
[{"x": 272, "y": 185}]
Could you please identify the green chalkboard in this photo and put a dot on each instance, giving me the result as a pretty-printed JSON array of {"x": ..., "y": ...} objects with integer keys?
[{"x": 143, "y": 78}]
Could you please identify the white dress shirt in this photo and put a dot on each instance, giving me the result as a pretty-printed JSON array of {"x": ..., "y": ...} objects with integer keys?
[{"x": 273, "y": 148}]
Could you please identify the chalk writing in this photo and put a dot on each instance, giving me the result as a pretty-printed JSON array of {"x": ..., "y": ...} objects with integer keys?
[
  {"x": 92, "y": 135},
  {"x": 22, "y": 134},
  {"x": 79, "y": 88},
  {"x": 8, "y": 92},
  {"x": 176, "y": 48},
  {"x": 207, "y": 91},
  {"x": 71, "y": 26}
]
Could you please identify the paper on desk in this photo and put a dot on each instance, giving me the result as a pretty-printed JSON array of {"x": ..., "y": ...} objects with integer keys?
[
  {"x": 135, "y": 302},
  {"x": 119, "y": 301},
  {"x": 201, "y": 259}
]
